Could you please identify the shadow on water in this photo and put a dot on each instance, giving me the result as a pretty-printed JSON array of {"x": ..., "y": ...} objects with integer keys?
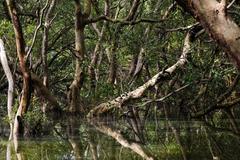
[{"x": 72, "y": 139}]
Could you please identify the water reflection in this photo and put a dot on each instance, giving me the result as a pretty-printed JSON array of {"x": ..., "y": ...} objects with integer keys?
[
  {"x": 127, "y": 139},
  {"x": 117, "y": 136}
]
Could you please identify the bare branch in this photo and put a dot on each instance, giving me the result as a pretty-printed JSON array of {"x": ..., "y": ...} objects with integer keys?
[
  {"x": 122, "y": 21},
  {"x": 36, "y": 30},
  {"x": 231, "y": 3},
  {"x": 167, "y": 96},
  {"x": 180, "y": 28},
  {"x": 133, "y": 10}
]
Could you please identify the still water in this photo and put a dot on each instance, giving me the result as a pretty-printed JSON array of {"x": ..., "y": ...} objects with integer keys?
[{"x": 71, "y": 139}]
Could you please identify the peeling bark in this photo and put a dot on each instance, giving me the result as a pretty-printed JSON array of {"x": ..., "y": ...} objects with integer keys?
[
  {"x": 20, "y": 45},
  {"x": 26, "y": 89},
  {"x": 213, "y": 17}
]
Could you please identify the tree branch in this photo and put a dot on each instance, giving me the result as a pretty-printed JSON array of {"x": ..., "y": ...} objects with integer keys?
[
  {"x": 122, "y": 21},
  {"x": 137, "y": 93}
]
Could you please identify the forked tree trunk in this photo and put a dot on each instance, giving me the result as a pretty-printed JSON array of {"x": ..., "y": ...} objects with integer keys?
[{"x": 75, "y": 87}]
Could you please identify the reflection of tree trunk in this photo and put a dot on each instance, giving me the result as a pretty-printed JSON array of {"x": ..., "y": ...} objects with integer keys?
[
  {"x": 8, "y": 73},
  {"x": 18, "y": 152},
  {"x": 210, "y": 145},
  {"x": 93, "y": 145},
  {"x": 176, "y": 133},
  {"x": 93, "y": 149},
  {"x": 137, "y": 148},
  {"x": 73, "y": 138},
  {"x": 76, "y": 148},
  {"x": 136, "y": 124}
]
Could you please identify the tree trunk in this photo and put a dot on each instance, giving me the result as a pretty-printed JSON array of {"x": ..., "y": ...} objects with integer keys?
[
  {"x": 8, "y": 73},
  {"x": 93, "y": 67},
  {"x": 113, "y": 65},
  {"x": 213, "y": 17},
  {"x": 44, "y": 52},
  {"x": 95, "y": 57},
  {"x": 136, "y": 67},
  {"x": 75, "y": 87},
  {"x": 112, "y": 54},
  {"x": 20, "y": 45}
]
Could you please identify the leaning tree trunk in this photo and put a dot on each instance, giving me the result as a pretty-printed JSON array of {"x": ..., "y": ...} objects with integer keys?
[
  {"x": 8, "y": 73},
  {"x": 213, "y": 17},
  {"x": 20, "y": 45},
  {"x": 138, "y": 92}
]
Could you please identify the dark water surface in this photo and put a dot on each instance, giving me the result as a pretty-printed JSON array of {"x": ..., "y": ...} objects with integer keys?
[{"x": 125, "y": 139}]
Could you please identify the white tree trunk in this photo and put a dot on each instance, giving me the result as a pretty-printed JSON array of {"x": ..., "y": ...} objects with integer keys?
[{"x": 8, "y": 73}]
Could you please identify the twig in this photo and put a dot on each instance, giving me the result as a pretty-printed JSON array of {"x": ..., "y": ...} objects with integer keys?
[{"x": 167, "y": 96}]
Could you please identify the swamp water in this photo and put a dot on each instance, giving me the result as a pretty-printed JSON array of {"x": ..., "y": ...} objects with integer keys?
[{"x": 126, "y": 139}]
